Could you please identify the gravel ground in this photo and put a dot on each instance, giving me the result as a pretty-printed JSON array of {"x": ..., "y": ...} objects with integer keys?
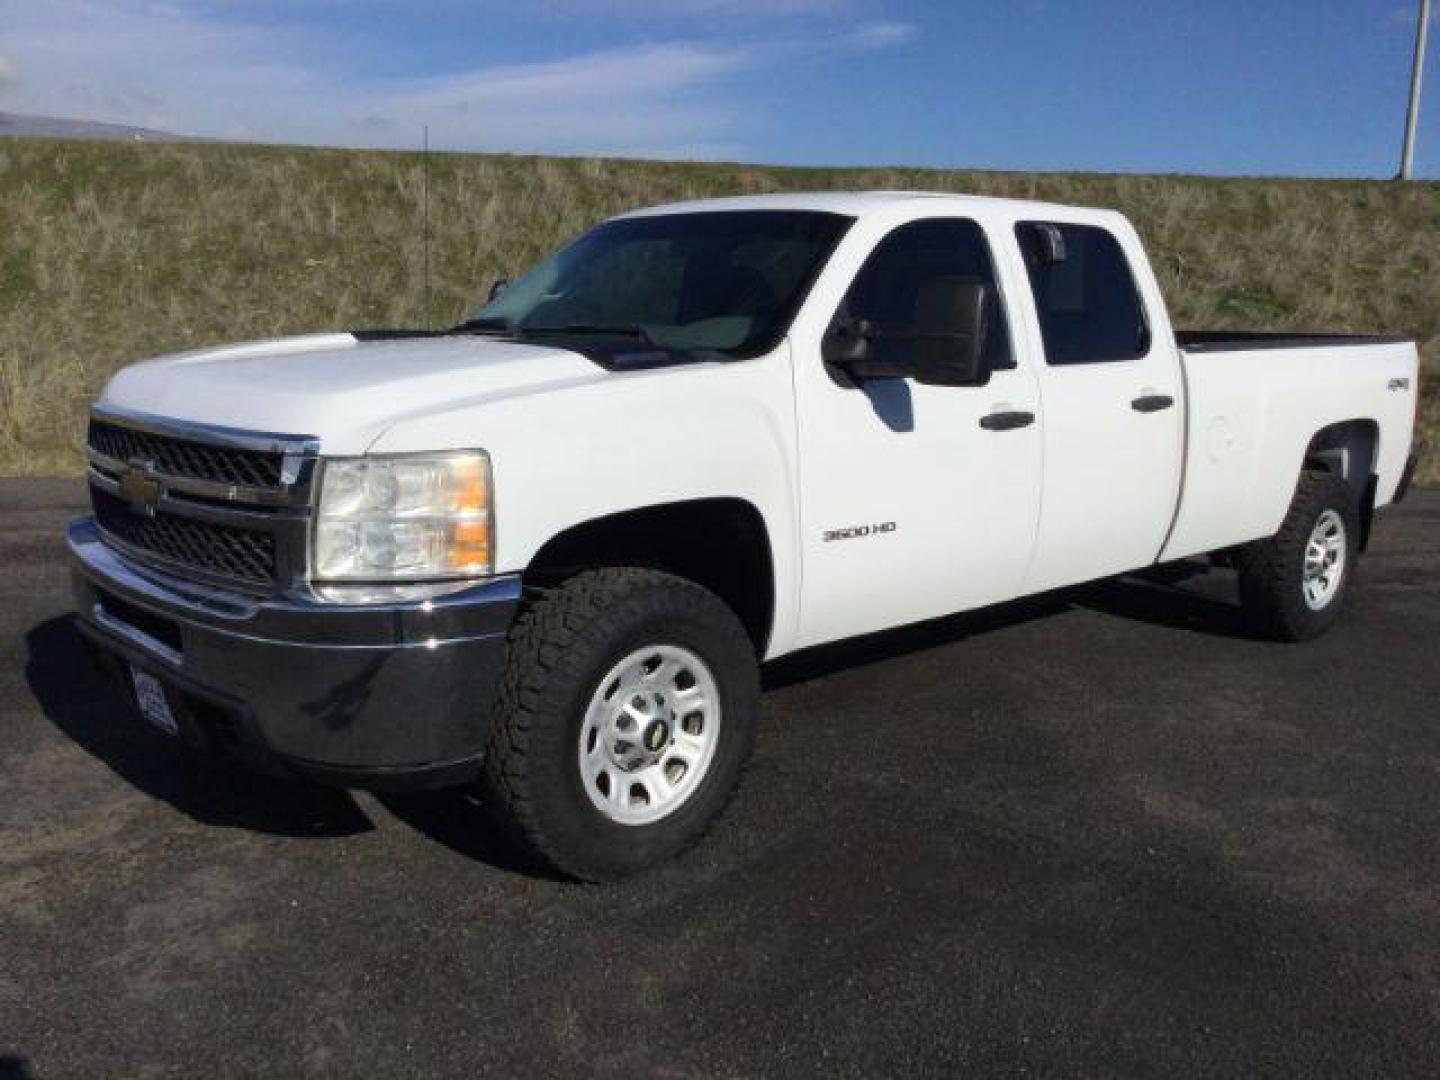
[{"x": 1096, "y": 833}]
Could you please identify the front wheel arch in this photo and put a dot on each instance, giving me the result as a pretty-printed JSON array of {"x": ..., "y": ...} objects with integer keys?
[{"x": 721, "y": 544}]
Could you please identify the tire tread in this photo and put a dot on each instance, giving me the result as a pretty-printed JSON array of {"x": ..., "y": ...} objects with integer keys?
[
  {"x": 557, "y": 633},
  {"x": 1268, "y": 568}
]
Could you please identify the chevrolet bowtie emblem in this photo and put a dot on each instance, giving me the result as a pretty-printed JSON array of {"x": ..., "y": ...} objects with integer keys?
[{"x": 140, "y": 488}]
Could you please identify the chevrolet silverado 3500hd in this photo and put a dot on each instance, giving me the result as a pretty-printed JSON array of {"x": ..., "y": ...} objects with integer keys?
[{"x": 543, "y": 552}]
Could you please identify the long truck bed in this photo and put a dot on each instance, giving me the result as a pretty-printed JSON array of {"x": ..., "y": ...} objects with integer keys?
[{"x": 1251, "y": 425}]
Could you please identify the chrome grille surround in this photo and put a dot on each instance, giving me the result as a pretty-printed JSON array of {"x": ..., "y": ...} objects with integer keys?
[
  {"x": 212, "y": 513},
  {"x": 232, "y": 466}
]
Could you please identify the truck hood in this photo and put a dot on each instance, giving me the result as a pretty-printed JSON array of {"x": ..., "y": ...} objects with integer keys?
[{"x": 337, "y": 388}]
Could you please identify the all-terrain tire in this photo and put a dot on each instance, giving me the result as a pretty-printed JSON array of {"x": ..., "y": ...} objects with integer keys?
[
  {"x": 1273, "y": 571},
  {"x": 561, "y": 647}
]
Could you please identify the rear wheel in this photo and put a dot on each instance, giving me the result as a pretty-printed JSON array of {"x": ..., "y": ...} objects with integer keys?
[
  {"x": 626, "y": 715},
  {"x": 1294, "y": 583}
]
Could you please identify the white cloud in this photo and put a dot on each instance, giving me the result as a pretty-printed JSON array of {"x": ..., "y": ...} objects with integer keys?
[
  {"x": 691, "y": 8},
  {"x": 233, "y": 71},
  {"x": 882, "y": 35},
  {"x": 620, "y": 100},
  {"x": 653, "y": 11}
]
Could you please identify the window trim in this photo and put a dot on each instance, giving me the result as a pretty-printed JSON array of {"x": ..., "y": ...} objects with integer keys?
[{"x": 1147, "y": 328}]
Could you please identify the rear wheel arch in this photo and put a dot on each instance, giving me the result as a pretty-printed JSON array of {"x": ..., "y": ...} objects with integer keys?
[
  {"x": 721, "y": 544},
  {"x": 1350, "y": 450},
  {"x": 1347, "y": 449}
]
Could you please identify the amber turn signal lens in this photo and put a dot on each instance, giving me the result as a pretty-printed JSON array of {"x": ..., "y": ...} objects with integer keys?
[
  {"x": 471, "y": 483},
  {"x": 469, "y": 546}
]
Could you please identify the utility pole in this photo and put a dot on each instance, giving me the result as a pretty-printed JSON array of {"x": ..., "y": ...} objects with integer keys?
[
  {"x": 1417, "y": 74},
  {"x": 425, "y": 214}
]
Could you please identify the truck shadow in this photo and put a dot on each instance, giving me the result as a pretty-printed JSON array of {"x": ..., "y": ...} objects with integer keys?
[
  {"x": 80, "y": 702},
  {"x": 823, "y": 660},
  {"x": 83, "y": 704},
  {"x": 1153, "y": 596},
  {"x": 456, "y": 820}
]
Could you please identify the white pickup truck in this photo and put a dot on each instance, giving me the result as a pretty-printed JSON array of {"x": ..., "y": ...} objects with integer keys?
[{"x": 544, "y": 552}]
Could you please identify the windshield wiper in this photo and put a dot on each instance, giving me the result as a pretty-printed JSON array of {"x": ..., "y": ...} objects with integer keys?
[
  {"x": 491, "y": 324},
  {"x": 637, "y": 332}
]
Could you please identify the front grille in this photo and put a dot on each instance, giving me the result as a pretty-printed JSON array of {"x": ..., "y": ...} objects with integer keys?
[
  {"x": 223, "y": 550},
  {"x": 193, "y": 460}
]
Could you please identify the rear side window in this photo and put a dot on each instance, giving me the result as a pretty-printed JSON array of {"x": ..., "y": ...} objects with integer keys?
[
  {"x": 913, "y": 266},
  {"x": 1090, "y": 310}
]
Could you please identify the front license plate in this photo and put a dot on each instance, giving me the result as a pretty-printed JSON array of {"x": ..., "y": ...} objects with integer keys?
[{"x": 154, "y": 706}]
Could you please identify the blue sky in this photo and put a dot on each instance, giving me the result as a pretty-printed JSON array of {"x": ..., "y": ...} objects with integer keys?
[{"x": 1294, "y": 87}]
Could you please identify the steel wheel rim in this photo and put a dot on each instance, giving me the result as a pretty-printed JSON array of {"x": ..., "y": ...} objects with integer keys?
[
  {"x": 649, "y": 734},
  {"x": 1324, "y": 566}
]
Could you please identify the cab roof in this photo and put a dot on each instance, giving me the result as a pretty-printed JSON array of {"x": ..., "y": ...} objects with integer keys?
[{"x": 855, "y": 204}]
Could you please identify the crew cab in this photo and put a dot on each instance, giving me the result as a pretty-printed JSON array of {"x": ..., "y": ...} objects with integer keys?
[{"x": 544, "y": 552}]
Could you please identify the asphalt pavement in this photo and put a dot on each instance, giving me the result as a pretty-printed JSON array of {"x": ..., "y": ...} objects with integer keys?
[{"x": 1098, "y": 833}]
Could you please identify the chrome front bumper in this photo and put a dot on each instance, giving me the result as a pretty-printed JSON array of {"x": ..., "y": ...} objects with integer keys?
[{"x": 388, "y": 695}]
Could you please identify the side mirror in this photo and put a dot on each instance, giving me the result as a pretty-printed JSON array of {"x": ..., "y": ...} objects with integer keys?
[
  {"x": 847, "y": 346},
  {"x": 498, "y": 286},
  {"x": 950, "y": 333},
  {"x": 945, "y": 342}
]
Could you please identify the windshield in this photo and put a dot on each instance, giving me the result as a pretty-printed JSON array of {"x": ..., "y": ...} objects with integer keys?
[{"x": 728, "y": 281}]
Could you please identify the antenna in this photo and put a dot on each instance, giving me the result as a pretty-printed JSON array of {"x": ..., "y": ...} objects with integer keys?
[{"x": 425, "y": 216}]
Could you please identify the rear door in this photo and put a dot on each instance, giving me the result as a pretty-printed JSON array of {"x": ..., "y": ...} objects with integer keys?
[
  {"x": 1113, "y": 414},
  {"x": 915, "y": 501}
]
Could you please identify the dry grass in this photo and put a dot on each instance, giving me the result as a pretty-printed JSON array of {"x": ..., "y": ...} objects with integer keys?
[{"x": 114, "y": 252}]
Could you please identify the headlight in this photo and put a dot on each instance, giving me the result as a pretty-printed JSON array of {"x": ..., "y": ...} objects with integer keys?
[{"x": 410, "y": 517}]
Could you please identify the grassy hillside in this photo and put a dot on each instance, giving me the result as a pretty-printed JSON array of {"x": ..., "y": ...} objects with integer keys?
[{"x": 112, "y": 252}]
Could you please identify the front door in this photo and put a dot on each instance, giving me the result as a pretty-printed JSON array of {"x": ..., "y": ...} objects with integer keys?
[{"x": 916, "y": 500}]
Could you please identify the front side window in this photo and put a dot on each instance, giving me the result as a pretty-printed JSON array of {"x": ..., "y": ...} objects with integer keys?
[
  {"x": 728, "y": 281},
  {"x": 1085, "y": 296},
  {"x": 912, "y": 272}
]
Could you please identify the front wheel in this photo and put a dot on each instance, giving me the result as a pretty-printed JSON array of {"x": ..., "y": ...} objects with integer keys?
[
  {"x": 1293, "y": 584},
  {"x": 626, "y": 714}
]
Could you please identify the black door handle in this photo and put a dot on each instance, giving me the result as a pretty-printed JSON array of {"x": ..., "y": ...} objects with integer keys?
[
  {"x": 1152, "y": 403},
  {"x": 1006, "y": 421}
]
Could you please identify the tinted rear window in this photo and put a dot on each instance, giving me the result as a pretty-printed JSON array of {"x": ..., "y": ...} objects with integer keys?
[{"x": 1090, "y": 310}]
